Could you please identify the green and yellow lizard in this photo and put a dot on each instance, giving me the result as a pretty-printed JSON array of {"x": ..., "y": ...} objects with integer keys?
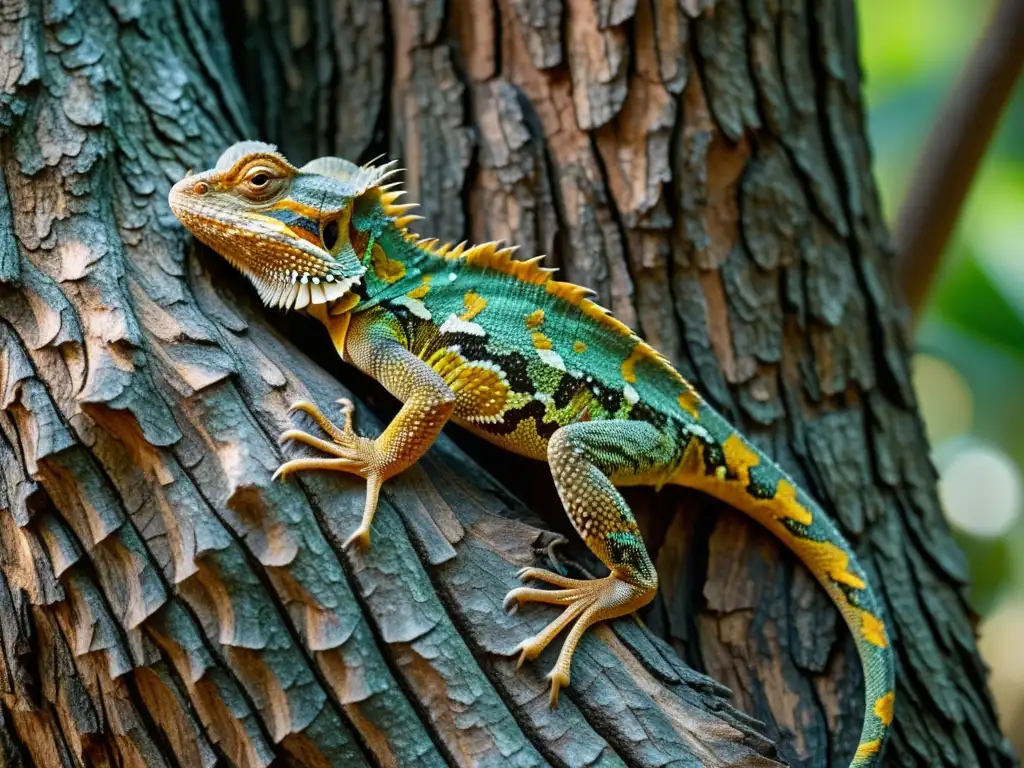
[{"x": 470, "y": 334}]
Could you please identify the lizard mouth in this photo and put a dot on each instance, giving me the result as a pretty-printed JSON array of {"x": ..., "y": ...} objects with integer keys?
[{"x": 288, "y": 271}]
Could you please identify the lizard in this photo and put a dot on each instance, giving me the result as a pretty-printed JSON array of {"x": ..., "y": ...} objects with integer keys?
[{"x": 498, "y": 345}]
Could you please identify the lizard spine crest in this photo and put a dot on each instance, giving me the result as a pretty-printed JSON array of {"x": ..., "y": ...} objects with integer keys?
[{"x": 490, "y": 255}]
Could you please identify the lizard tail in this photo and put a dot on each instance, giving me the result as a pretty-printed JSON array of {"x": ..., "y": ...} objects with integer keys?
[{"x": 733, "y": 470}]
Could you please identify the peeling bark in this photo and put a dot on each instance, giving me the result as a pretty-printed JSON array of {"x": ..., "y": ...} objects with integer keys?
[{"x": 704, "y": 169}]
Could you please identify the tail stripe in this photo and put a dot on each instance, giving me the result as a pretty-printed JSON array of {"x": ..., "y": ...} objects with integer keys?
[{"x": 728, "y": 467}]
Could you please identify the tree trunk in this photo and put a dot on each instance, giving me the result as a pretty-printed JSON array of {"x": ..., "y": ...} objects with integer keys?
[{"x": 704, "y": 169}]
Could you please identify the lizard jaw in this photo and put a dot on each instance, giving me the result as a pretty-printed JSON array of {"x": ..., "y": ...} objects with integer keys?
[{"x": 287, "y": 271}]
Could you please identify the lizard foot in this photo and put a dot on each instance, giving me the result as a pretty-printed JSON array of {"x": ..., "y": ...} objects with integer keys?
[
  {"x": 347, "y": 452},
  {"x": 586, "y": 601}
]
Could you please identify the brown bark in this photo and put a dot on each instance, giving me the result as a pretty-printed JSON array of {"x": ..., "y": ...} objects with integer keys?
[{"x": 162, "y": 602}]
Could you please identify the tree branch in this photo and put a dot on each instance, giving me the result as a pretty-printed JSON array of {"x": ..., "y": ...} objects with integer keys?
[{"x": 954, "y": 150}]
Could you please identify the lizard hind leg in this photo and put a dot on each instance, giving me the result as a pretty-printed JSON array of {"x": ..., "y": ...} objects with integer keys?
[{"x": 583, "y": 457}]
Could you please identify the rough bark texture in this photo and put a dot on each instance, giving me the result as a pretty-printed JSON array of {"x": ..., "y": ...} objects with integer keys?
[{"x": 704, "y": 169}]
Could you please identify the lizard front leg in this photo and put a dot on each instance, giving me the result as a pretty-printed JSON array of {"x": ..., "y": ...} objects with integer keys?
[
  {"x": 583, "y": 457},
  {"x": 374, "y": 344}
]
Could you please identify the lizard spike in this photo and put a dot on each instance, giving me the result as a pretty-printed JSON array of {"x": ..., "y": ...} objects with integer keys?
[
  {"x": 398, "y": 210},
  {"x": 389, "y": 174},
  {"x": 392, "y": 185},
  {"x": 407, "y": 220},
  {"x": 457, "y": 251},
  {"x": 369, "y": 163},
  {"x": 427, "y": 244},
  {"x": 316, "y": 293},
  {"x": 388, "y": 198}
]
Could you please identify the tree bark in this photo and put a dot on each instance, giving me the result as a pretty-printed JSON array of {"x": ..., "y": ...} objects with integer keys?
[{"x": 703, "y": 168}]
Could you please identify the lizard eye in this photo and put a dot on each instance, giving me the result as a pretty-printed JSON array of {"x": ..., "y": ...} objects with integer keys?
[
  {"x": 329, "y": 235},
  {"x": 260, "y": 184}
]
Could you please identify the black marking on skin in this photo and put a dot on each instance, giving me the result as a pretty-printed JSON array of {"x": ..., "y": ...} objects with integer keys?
[
  {"x": 799, "y": 530},
  {"x": 360, "y": 290},
  {"x": 567, "y": 389},
  {"x": 609, "y": 399},
  {"x": 534, "y": 409},
  {"x": 640, "y": 411},
  {"x": 624, "y": 550},
  {"x": 852, "y": 594},
  {"x": 516, "y": 369},
  {"x": 405, "y": 318},
  {"x": 714, "y": 457}
]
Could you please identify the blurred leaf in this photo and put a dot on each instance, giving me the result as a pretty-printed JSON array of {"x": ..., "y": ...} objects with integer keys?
[
  {"x": 903, "y": 41},
  {"x": 991, "y": 566},
  {"x": 968, "y": 299}
]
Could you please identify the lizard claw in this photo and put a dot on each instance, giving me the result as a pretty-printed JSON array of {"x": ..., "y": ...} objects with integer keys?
[
  {"x": 289, "y": 434},
  {"x": 360, "y": 537},
  {"x": 510, "y": 604},
  {"x": 584, "y": 603},
  {"x": 558, "y": 680}
]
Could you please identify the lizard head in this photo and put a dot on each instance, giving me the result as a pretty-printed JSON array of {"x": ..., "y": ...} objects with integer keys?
[{"x": 285, "y": 228}]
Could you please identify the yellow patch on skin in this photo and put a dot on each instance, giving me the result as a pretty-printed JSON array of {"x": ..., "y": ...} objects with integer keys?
[
  {"x": 868, "y": 749},
  {"x": 388, "y": 270},
  {"x": 535, "y": 319},
  {"x": 689, "y": 401},
  {"x": 540, "y": 341},
  {"x": 883, "y": 708},
  {"x": 785, "y": 495},
  {"x": 420, "y": 290},
  {"x": 740, "y": 456},
  {"x": 579, "y": 347},
  {"x": 873, "y": 630},
  {"x": 345, "y": 304},
  {"x": 824, "y": 557},
  {"x": 446, "y": 362},
  {"x": 337, "y": 325},
  {"x": 474, "y": 304},
  {"x": 481, "y": 394},
  {"x": 629, "y": 364}
]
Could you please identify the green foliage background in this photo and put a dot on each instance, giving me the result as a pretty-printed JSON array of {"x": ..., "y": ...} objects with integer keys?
[{"x": 969, "y": 367}]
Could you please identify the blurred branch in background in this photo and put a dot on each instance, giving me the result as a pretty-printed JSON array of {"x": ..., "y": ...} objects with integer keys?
[{"x": 954, "y": 150}]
